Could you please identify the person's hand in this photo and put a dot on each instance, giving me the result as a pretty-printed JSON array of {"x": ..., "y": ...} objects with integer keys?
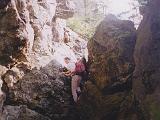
[
  {"x": 68, "y": 74},
  {"x": 63, "y": 72}
]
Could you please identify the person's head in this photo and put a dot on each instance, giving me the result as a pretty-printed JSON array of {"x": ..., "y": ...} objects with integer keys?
[
  {"x": 83, "y": 59},
  {"x": 67, "y": 60},
  {"x": 78, "y": 59}
]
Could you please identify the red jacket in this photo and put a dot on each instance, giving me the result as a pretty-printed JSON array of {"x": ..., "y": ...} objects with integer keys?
[{"x": 80, "y": 67}]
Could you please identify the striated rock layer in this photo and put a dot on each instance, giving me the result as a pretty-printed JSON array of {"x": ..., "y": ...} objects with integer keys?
[
  {"x": 147, "y": 56},
  {"x": 107, "y": 94}
]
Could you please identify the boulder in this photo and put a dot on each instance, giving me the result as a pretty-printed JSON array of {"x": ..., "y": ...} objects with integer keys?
[
  {"x": 43, "y": 91},
  {"x": 107, "y": 94},
  {"x": 113, "y": 45}
]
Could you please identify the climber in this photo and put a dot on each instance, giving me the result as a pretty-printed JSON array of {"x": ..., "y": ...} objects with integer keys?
[
  {"x": 81, "y": 70},
  {"x": 77, "y": 72},
  {"x": 78, "y": 78},
  {"x": 70, "y": 66}
]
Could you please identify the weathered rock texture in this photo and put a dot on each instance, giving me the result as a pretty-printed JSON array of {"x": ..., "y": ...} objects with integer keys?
[
  {"x": 32, "y": 34},
  {"x": 21, "y": 113},
  {"x": 107, "y": 94},
  {"x": 36, "y": 94},
  {"x": 147, "y": 58},
  {"x": 31, "y": 31},
  {"x": 42, "y": 91},
  {"x": 28, "y": 27}
]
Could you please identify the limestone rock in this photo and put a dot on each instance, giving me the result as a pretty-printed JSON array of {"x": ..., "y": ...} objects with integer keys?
[
  {"x": 41, "y": 15},
  {"x": 31, "y": 33},
  {"x": 3, "y": 70},
  {"x": 41, "y": 90},
  {"x": 21, "y": 113},
  {"x": 113, "y": 45},
  {"x": 28, "y": 27},
  {"x": 65, "y": 9},
  {"x": 14, "y": 28},
  {"x": 111, "y": 66},
  {"x": 58, "y": 29},
  {"x": 16, "y": 73}
]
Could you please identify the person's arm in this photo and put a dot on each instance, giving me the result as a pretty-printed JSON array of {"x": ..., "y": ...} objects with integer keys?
[
  {"x": 71, "y": 71},
  {"x": 67, "y": 72}
]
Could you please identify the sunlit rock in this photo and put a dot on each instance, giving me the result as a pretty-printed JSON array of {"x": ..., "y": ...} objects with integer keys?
[
  {"x": 15, "y": 74},
  {"x": 65, "y": 9},
  {"x": 32, "y": 82}
]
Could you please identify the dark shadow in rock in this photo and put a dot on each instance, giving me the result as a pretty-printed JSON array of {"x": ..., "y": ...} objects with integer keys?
[{"x": 118, "y": 87}]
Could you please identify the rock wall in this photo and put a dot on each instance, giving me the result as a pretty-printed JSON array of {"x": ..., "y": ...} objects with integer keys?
[
  {"x": 40, "y": 92},
  {"x": 147, "y": 73},
  {"x": 31, "y": 35},
  {"x": 28, "y": 27},
  {"x": 107, "y": 94}
]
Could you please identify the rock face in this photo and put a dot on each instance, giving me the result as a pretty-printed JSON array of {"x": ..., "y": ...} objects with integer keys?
[
  {"x": 107, "y": 94},
  {"x": 36, "y": 94},
  {"x": 65, "y": 9},
  {"x": 30, "y": 31},
  {"x": 147, "y": 73},
  {"x": 74, "y": 47},
  {"x": 42, "y": 91},
  {"x": 27, "y": 27}
]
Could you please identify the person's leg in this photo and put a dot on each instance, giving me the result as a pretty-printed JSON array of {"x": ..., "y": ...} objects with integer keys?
[
  {"x": 75, "y": 85},
  {"x": 78, "y": 87},
  {"x": 78, "y": 83}
]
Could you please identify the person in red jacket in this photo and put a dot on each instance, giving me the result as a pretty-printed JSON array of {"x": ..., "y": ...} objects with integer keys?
[
  {"x": 76, "y": 71},
  {"x": 78, "y": 76}
]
